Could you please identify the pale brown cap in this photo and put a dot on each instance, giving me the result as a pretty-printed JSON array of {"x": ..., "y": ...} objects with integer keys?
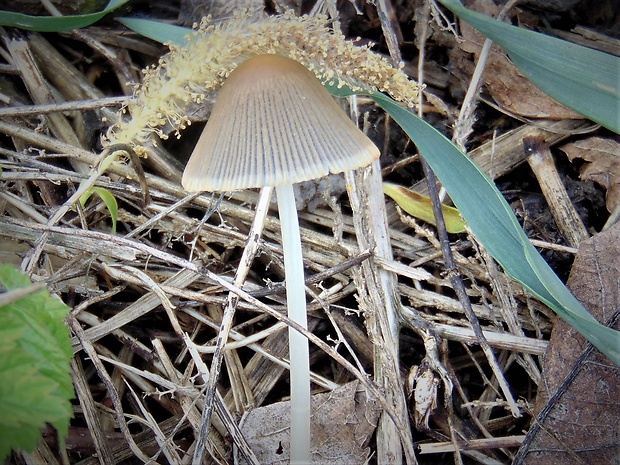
[{"x": 274, "y": 123}]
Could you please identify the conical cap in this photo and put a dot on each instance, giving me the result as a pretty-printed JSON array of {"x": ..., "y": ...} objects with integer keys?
[{"x": 274, "y": 123}]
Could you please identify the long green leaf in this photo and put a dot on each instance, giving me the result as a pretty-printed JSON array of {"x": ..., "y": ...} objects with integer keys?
[
  {"x": 583, "y": 79},
  {"x": 55, "y": 23},
  {"x": 493, "y": 223}
]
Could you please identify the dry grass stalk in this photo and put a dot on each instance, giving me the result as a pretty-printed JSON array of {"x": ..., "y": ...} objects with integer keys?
[{"x": 562, "y": 209}]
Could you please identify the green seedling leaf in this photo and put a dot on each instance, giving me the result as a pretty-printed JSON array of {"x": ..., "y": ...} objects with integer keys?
[
  {"x": 107, "y": 162},
  {"x": 421, "y": 207},
  {"x": 110, "y": 202},
  {"x": 35, "y": 356},
  {"x": 582, "y": 79},
  {"x": 159, "y": 32},
  {"x": 496, "y": 227},
  {"x": 108, "y": 199},
  {"x": 55, "y": 23}
]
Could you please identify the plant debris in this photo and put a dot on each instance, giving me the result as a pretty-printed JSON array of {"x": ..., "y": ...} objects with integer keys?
[{"x": 147, "y": 301}]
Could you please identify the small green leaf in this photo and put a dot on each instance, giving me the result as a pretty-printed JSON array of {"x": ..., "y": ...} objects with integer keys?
[
  {"x": 110, "y": 202},
  {"x": 421, "y": 207},
  {"x": 85, "y": 196},
  {"x": 35, "y": 355},
  {"x": 108, "y": 199},
  {"x": 581, "y": 78}
]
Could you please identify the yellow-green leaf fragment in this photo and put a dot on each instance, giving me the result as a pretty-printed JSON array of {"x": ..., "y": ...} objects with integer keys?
[{"x": 421, "y": 207}]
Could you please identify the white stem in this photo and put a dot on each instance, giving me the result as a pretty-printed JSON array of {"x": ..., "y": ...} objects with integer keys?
[{"x": 298, "y": 344}]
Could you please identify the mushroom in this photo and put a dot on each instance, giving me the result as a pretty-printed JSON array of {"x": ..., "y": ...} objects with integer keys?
[{"x": 274, "y": 124}]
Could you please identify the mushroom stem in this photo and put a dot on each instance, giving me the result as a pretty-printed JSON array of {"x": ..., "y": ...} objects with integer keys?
[
  {"x": 274, "y": 124},
  {"x": 298, "y": 345}
]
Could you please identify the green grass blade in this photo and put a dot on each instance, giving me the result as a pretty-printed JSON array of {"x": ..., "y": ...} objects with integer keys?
[
  {"x": 606, "y": 339},
  {"x": 582, "y": 79},
  {"x": 55, "y": 23},
  {"x": 496, "y": 227},
  {"x": 157, "y": 31}
]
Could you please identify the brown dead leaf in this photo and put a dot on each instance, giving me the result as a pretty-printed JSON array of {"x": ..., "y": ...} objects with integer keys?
[
  {"x": 603, "y": 155},
  {"x": 578, "y": 413},
  {"x": 508, "y": 87},
  {"x": 342, "y": 423}
]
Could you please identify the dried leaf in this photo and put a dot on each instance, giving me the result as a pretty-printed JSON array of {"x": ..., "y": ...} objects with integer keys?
[
  {"x": 342, "y": 423},
  {"x": 577, "y": 404},
  {"x": 506, "y": 84},
  {"x": 603, "y": 155}
]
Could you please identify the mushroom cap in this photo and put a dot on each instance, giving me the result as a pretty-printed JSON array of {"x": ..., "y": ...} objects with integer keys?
[{"x": 274, "y": 123}]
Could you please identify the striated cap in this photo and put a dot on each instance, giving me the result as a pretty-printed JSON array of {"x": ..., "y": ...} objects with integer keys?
[{"x": 274, "y": 123}]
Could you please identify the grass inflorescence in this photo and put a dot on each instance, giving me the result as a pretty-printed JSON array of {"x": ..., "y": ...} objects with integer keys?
[{"x": 188, "y": 73}]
